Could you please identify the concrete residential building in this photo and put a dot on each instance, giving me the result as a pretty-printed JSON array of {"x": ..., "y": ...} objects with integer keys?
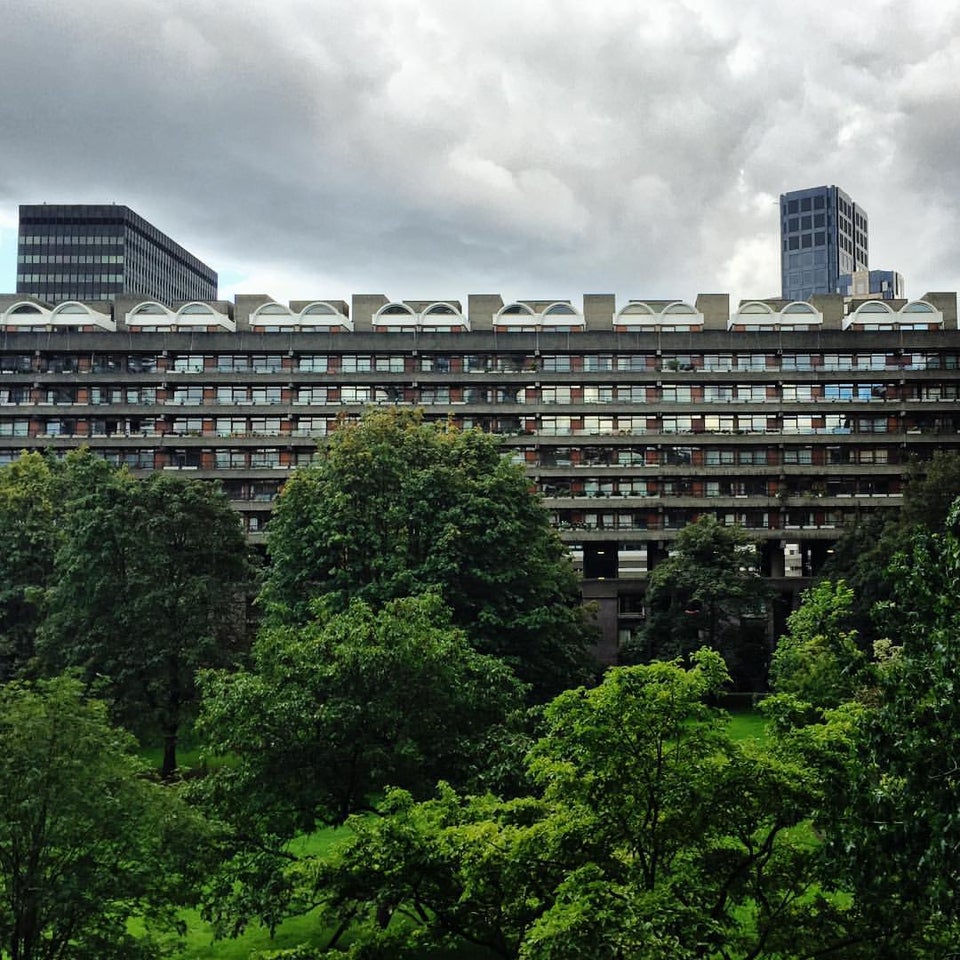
[
  {"x": 823, "y": 235},
  {"x": 100, "y": 251},
  {"x": 792, "y": 419}
]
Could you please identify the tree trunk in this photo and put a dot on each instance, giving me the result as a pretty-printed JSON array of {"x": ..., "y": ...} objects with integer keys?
[
  {"x": 169, "y": 765},
  {"x": 171, "y": 721}
]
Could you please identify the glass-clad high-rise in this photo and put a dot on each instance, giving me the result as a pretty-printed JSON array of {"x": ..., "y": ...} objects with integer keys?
[
  {"x": 98, "y": 251},
  {"x": 823, "y": 235}
]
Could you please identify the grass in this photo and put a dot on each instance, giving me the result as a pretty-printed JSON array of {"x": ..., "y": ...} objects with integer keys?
[
  {"x": 747, "y": 725},
  {"x": 201, "y": 944}
]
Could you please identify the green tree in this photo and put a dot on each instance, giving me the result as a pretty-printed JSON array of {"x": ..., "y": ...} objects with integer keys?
[
  {"x": 932, "y": 486},
  {"x": 819, "y": 660},
  {"x": 86, "y": 843},
  {"x": 708, "y": 591},
  {"x": 896, "y": 840},
  {"x": 863, "y": 554},
  {"x": 397, "y": 507},
  {"x": 331, "y": 714},
  {"x": 147, "y": 589},
  {"x": 28, "y": 510},
  {"x": 652, "y": 833}
]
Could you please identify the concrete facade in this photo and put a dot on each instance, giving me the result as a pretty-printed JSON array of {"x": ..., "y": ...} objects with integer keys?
[{"x": 633, "y": 419}]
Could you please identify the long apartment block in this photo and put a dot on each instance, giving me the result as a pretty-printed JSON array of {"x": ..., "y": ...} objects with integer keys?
[{"x": 633, "y": 419}]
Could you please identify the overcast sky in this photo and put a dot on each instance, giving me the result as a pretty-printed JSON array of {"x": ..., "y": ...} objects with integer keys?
[{"x": 427, "y": 149}]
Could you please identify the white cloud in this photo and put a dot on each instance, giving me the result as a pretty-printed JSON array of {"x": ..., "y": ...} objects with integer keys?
[{"x": 424, "y": 147}]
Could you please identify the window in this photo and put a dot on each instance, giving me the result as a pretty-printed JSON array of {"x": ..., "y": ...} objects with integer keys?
[
  {"x": 232, "y": 395},
  {"x": 797, "y": 361},
  {"x": 265, "y": 394},
  {"x": 751, "y": 361},
  {"x": 680, "y": 424},
  {"x": 14, "y": 428},
  {"x": 188, "y": 363},
  {"x": 313, "y": 363},
  {"x": 16, "y": 363},
  {"x": 187, "y": 396},
  {"x": 310, "y": 427},
  {"x": 350, "y": 363},
  {"x": 266, "y": 363},
  {"x": 14, "y": 396},
  {"x": 558, "y": 394},
  {"x": 230, "y": 459},
  {"x": 752, "y": 424},
  {"x": 141, "y": 363},
  {"x": 265, "y": 458},
  {"x": 714, "y": 423},
  {"x": 269, "y": 426},
  {"x": 231, "y": 426},
  {"x": 188, "y": 425},
  {"x": 311, "y": 395},
  {"x": 227, "y": 363},
  {"x": 798, "y": 393},
  {"x": 872, "y": 425},
  {"x": 636, "y": 362},
  {"x": 430, "y": 395},
  {"x": 355, "y": 394},
  {"x": 713, "y": 393},
  {"x": 57, "y": 363},
  {"x": 598, "y": 363}
]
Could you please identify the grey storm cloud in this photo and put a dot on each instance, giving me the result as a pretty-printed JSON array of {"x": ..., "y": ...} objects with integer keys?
[{"x": 432, "y": 148}]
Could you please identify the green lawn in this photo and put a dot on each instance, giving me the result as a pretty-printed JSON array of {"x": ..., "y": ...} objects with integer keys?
[
  {"x": 200, "y": 944},
  {"x": 747, "y": 725}
]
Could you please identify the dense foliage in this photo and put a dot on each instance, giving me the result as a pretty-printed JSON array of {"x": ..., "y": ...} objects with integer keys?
[
  {"x": 328, "y": 717},
  {"x": 396, "y": 507},
  {"x": 29, "y": 499},
  {"x": 86, "y": 843},
  {"x": 617, "y": 821},
  {"x": 651, "y": 833},
  {"x": 145, "y": 591},
  {"x": 708, "y": 591}
]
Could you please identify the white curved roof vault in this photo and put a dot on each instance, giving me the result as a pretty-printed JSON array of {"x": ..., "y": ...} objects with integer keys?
[
  {"x": 637, "y": 313},
  {"x": 794, "y": 314},
  {"x": 70, "y": 313},
  {"x": 879, "y": 311}
]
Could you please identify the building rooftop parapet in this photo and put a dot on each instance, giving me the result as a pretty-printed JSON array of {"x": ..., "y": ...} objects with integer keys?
[
  {"x": 760, "y": 315},
  {"x": 261, "y": 314},
  {"x": 662, "y": 315},
  {"x": 28, "y": 314},
  {"x": 558, "y": 315},
  {"x": 197, "y": 315},
  {"x": 315, "y": 315},
  {"x": 444, "y": 315},
  {"x": 882, "y": 315}
]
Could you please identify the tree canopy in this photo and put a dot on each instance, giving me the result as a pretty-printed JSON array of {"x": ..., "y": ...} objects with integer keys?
[
  {"x": 86, "y": 843},
  {"x": 145, "y": 591},
  {"x": 397, "y": 507},
  {"x": 29, "y": 504},
  {"x": 897, "y": 840},
  {"x": 819, "y": 660},
  {"x": 333, "y": 713},
  {"x": 708, "y": 591},
  {"x": 651, "y": 833}
]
